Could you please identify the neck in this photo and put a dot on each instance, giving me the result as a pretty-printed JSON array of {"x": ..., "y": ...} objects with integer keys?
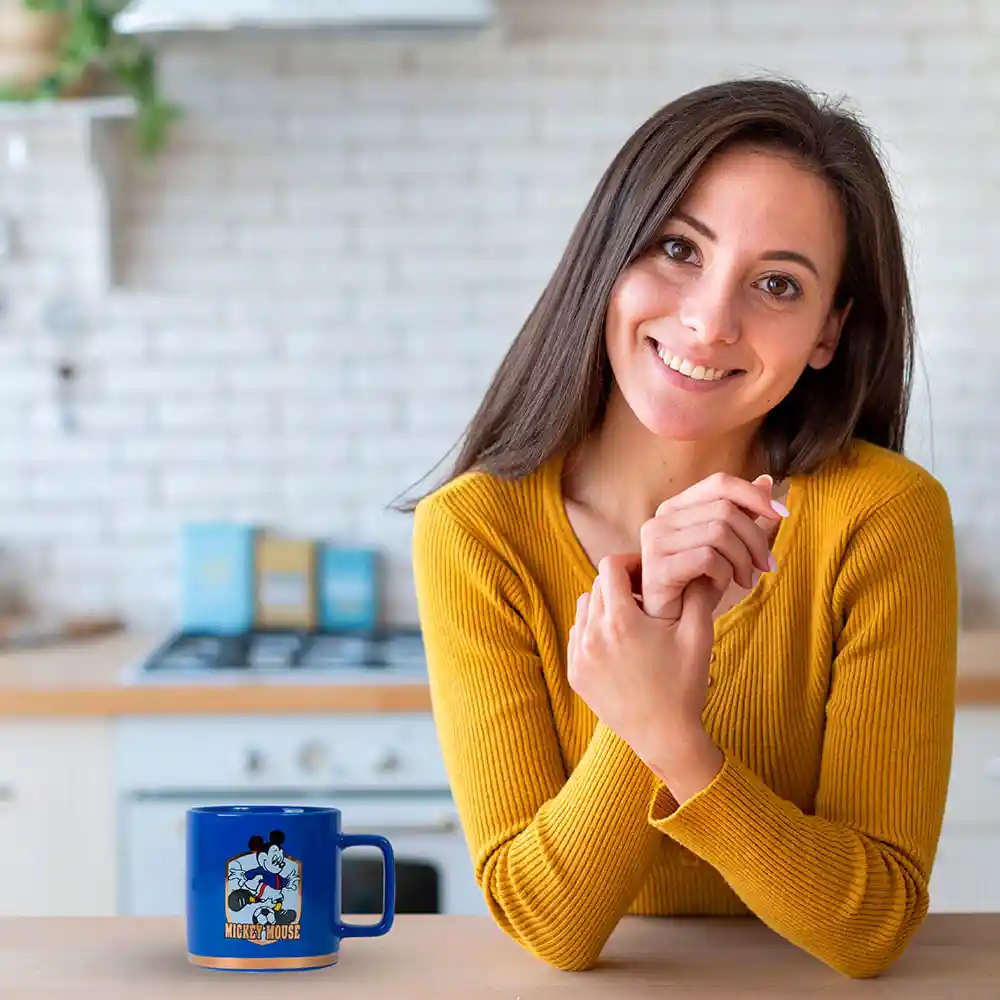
[{"x": 623, "y": 472}]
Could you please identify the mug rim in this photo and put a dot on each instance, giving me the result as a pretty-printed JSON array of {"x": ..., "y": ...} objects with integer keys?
[{"x": 235, "y": 810}]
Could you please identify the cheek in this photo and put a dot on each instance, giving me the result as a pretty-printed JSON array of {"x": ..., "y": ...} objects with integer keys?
[
  {"x": 638, "y": 296},
  {"x": 782, "y": 355}
]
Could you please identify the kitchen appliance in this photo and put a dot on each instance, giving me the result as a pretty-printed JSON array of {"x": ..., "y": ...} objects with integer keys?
[
  {"x": 383, "y": 771},
  {"x": 386, "y": 655},
  {"x": 206, "y": 15}
]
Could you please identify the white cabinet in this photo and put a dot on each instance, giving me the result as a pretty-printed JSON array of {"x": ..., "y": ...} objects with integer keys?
[
  {"x": 57, "y": 814},
  {"x": 966, "y": 875}
]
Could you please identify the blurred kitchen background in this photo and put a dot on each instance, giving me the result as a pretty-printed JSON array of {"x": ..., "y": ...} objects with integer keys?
[{"x": 263, "y": 332}]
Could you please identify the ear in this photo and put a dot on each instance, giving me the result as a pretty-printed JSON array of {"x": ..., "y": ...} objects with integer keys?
[
  {"x": 256, "y": 844},
  {"x": 277, "y": 838},
  {"x": 822, "y": 353}
]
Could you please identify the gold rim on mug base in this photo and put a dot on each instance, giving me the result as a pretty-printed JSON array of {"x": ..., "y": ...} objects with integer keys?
[{"x": 264, "y": 964}]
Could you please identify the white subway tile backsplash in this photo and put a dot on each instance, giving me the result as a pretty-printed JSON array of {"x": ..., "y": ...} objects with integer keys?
[
  {"x": 62, "y": 526},
  {"x": 159, "y": 376},
  {"x": 56, "y": 487},
  {"x": 157, "y": 452},
  {"x": 214, "y": 415},
  {"x": 214, "y": 490},
  {"x": 373, "y": 413}
]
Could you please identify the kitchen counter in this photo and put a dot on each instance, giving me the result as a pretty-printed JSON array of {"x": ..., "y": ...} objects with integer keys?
[
  {"x": 462, "y": 958},
  {"x": 85, "y": 679}
]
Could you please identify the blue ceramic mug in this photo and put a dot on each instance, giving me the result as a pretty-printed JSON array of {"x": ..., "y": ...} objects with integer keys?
[{"x": 263, "y": 887}]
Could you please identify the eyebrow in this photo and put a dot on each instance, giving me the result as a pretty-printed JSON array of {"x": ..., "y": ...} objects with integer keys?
[{"x": 790, "y": 255}]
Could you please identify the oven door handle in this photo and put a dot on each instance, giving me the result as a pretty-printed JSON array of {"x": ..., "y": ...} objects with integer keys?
[{"x": 444, "y": 826}]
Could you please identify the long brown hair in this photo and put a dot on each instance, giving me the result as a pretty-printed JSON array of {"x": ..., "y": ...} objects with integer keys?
[{"x": 551, "y": 388}]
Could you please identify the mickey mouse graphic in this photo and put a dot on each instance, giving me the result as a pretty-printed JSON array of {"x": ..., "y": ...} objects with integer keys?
[{"x": 264, "y": 887}]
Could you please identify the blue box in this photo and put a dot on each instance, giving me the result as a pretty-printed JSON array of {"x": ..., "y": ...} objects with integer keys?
[
  {"x": 348, "y": 589},
  {"x": 217, "y": 578}
]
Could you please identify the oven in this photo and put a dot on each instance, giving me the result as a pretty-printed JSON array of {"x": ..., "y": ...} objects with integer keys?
[{"x": 383, "y": 772}]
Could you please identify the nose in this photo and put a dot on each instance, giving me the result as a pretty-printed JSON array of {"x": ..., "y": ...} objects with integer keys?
[{"x": 708, "y": 309}]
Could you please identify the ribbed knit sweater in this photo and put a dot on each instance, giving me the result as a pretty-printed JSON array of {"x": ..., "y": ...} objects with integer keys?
[{"x": 831, "y": 697}]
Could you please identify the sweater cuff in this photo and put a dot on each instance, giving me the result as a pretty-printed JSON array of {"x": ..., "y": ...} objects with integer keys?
[
  {"x": 715, "y": 823},
  {"x": 610, "y": 767}
]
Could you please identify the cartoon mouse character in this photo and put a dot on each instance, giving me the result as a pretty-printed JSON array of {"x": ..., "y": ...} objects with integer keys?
[{"x": 265, "y": 883}]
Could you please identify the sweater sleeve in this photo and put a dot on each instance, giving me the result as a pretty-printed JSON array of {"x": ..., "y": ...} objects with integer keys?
[
  {"x": 848, "y": 883},
  {"x": 559, "y": 857}
]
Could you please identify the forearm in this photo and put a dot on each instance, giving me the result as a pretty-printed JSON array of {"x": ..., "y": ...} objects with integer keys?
[
  {"x": 561, "y": 885},
  {"x": 848, "y": 899}
]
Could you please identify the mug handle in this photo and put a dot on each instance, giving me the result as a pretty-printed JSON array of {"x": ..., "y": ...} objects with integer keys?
[{"x": 388, "y": 885}]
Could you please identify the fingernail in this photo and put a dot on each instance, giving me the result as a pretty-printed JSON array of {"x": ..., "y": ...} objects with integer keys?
[
  {"x": 772, "y": 563},
  {"x": 754, "y": 577},
  {"x": 780, "y": 508},
  {"x": 770, "y": 481}
]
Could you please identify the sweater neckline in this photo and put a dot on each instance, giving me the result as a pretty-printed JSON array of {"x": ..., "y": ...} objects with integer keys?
[{"x": 585, "y": 570}]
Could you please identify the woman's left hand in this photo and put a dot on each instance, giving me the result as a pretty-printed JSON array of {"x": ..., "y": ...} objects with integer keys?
[{"x": 645, "y": 678}]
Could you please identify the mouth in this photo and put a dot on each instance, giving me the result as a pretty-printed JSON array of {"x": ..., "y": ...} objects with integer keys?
[{"x": 697, "y": 373}]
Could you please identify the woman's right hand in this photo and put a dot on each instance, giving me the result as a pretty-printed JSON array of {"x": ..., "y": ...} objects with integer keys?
[{"x": 715, "y": 529}]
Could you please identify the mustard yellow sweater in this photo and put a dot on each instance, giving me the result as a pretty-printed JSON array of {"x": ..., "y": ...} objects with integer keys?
[{"x": 832, "y": 698}]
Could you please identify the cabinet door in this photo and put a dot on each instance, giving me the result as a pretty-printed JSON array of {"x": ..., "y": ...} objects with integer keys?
[
  {"x": 966, "y": 876},
  {"x": 974, "y": 790},
  {"x": 17, "y": 821},
  {"x": 57, "y": 806}
]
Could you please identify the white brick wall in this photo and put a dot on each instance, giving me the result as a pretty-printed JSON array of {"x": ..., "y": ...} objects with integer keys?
[{"x": 322, "y": 272}]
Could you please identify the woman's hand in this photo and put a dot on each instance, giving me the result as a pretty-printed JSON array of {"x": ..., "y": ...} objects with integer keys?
[
  {"x": 716, "y": 529},
  {"x": 645, "y": 678}
]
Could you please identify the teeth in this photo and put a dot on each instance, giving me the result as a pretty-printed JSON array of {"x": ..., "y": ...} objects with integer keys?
[{"x": 697, "y": 372}]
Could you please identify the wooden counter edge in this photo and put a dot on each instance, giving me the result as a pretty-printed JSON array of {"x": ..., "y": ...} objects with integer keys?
[
  {"x": 196, "y": 700},
  {"x": 982, "y": 691}
]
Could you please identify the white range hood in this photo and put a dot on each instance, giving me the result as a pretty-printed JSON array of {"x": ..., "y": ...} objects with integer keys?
[{"x": 143, "y": 16}]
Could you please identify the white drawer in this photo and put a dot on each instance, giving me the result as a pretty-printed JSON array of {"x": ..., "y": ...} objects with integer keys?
[
  {"x": 966, "y": 876},
  {"x": 974, "y": 791},
  {"x": 279, "y": 753}
]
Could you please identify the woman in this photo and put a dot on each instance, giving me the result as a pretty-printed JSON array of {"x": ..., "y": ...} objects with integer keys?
[{"x": 656, "y": 693}]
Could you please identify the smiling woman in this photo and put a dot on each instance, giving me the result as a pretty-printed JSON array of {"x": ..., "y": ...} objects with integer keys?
[{"x": 690, "y": 615}]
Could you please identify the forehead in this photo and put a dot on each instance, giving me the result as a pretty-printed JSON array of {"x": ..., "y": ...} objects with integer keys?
[{"x": 765, "y": 200}]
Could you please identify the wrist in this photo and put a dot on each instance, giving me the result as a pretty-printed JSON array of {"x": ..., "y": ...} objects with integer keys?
[{"x": 688, "y": 766}]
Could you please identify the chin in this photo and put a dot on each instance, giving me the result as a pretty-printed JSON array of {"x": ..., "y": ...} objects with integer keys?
[{"x": 678, "y": 427}]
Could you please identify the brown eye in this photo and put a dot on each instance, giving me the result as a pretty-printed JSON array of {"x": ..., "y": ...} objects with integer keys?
[
  {"x": 780, "y": 287},
  {"x": 678, "y": 250}
]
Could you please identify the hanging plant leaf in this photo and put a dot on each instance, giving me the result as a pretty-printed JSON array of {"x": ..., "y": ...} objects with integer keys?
[
  {"x": 51, "y": 86},
  {"x": 48, "y": 6},
  {"x": 152, "y": 124}
]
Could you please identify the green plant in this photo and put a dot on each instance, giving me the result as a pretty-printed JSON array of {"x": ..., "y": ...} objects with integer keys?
[{"x": 92, "y": 42}]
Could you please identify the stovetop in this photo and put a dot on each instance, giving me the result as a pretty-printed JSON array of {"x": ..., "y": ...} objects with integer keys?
[{"x": 389, "y": 655}]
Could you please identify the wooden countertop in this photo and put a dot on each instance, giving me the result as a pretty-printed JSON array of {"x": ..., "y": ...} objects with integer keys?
[
  {"x": 85, "y": 679},
  {"x": 463, "y": 958}
]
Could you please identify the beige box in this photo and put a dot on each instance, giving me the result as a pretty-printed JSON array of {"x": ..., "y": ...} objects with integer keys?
[{"x": 285, "y": 585}]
